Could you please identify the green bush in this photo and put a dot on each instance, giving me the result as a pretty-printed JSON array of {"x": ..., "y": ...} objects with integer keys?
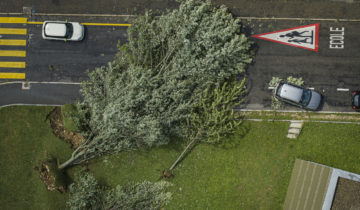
[{"x": 86, "y": 193}]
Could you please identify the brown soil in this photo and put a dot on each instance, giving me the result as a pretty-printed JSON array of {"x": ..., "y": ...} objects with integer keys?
[
  {"x": 59, "y": 130},
  {"x": 347, "y": 195},
  {"x": 47, "y": 177}
]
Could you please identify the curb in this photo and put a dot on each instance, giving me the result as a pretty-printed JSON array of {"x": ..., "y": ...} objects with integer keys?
[
  {"x": 30, "y": 105},
  {"x": 316, "y": 121},
  {"x": 294, "y": 111},
  {"x": 245, "y": 18},
  {"x": 47, "y": 83}
]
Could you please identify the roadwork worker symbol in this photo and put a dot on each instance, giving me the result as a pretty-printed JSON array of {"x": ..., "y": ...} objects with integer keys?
[{"x": 304, "y": 37}]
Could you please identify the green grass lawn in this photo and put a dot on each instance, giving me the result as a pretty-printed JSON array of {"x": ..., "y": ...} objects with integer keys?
[
  {"x": 24, "y": 140},
  {"x": 305, "y": 115},
  {"x": 250, "y": 173}
]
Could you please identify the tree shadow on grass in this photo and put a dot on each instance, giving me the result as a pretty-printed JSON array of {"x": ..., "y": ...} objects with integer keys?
[
  {"x": 53, "y": 178},
  {"x": 176, "y": 144},
  {"x": 234, "y": 140},
  {"x": 160, "y": 158}
]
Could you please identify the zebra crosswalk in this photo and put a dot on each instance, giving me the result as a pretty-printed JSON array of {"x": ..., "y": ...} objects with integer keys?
[{"x": 13, "y": 47}]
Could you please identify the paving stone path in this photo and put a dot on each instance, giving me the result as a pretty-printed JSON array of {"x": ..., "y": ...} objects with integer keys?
[{"x": 294, "y": 129}]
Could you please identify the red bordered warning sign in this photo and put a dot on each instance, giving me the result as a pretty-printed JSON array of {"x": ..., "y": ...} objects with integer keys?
[{"x": 306, "y": 37}]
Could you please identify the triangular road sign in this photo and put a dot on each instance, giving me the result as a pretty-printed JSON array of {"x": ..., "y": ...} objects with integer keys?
[{"x": 306, "y": 37}]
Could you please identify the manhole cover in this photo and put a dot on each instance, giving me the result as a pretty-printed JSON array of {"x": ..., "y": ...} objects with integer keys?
[{"x": 27, "y": 10}]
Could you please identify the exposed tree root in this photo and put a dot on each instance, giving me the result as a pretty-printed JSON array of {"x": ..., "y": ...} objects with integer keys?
[{"x": 59, "y": 130}]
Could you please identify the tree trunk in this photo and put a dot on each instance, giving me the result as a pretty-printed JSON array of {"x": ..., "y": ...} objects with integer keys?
[
  {"x": 67, "y": 164},
  {"x": 74, "y": 156},
  {"x": 182, "y": 154},
  {"x": 72, "y": 161}
]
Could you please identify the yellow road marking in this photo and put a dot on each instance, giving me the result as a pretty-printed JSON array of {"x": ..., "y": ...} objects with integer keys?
[
  {"x": 15, "y": 42},
  {"x": 93, "y": 24},
  {"x": 35, "y": 22},
  {"x": 12, "y": 20},
  {"x": 12, "y": 64},
  {"x": 12, "y": 75},
  {"x": 14, "y": 53},
  {"x": 21, "y": 31},
  {"x": 106, "y": 24}
]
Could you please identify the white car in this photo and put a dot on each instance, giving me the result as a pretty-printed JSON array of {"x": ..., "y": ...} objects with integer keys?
[
  {"x": 62, "y": 30},
  {"x": 298, "y": 96}
]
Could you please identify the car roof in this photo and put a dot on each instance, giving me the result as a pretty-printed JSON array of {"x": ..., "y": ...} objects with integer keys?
[
  {"x": 291, "y": 92},
  {"x": 55, "y": 29}
]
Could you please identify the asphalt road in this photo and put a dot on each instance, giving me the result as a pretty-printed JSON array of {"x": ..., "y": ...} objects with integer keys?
[
  {"x": 325, "y": 70},
  {"x": 59, "y": 61},
  {"x": 255, "y": 8},
  {"x": 38, "y": 94}
]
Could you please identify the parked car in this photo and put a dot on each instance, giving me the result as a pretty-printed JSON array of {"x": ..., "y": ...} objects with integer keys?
[
  {"x": 298, "y": 96},
  {"x": 355, "y": 100},
  {"x": 62, "y": 30}
]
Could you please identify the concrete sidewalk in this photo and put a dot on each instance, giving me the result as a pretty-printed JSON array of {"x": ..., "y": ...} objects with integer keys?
[{"x": 336, "y": 9}]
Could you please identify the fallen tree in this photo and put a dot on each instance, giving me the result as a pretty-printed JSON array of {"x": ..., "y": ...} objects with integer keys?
[{"x": 145, "y": 95}]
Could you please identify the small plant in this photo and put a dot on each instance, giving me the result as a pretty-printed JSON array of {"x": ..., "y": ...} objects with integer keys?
[
  {"x": 296, "y": 81},
  {"x": 274, "y": 81},
  {"x": 275, "y": 103}
]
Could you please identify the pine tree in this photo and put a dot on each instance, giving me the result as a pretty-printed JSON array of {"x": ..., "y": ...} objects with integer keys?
[
  {"x": 212, "y": 117},
  {"x": 143, "y": 96},
  {"x": 86, "y": 193}
]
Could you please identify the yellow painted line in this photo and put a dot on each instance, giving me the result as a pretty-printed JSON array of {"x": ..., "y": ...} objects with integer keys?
[
  {"x": 12, "y": 75},
  {"x": 13, "y": 53},
  {"x": 12, "y": 64},
  {"x": 35, "y": 22},
  {"x": 21, "y": 31},
  {"x": 106, "y": 24},
  {"x": 13, "y": 42},
  {"x": 93, "y": 24},
  {"x": 13, "y": 20}
]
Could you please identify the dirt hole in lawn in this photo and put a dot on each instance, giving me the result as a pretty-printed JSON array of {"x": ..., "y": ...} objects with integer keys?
[
  {"x": 59, "y": 130},
  {"x": 53, "y": 179}
]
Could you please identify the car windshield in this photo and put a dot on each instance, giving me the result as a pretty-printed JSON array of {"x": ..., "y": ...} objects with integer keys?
[
  {"x": 278, "y": 91},
  {"x": 305, "y": 98},
  {"x": 357, "y": 100},
  {"x": 69, "y": 30}
]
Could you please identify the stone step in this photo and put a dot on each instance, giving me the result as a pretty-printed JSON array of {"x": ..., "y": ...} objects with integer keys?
[
  {"x": 291, "y": 136},
  {"x": 296, "y": 124},
  {"x": 294, "y": 131}
]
